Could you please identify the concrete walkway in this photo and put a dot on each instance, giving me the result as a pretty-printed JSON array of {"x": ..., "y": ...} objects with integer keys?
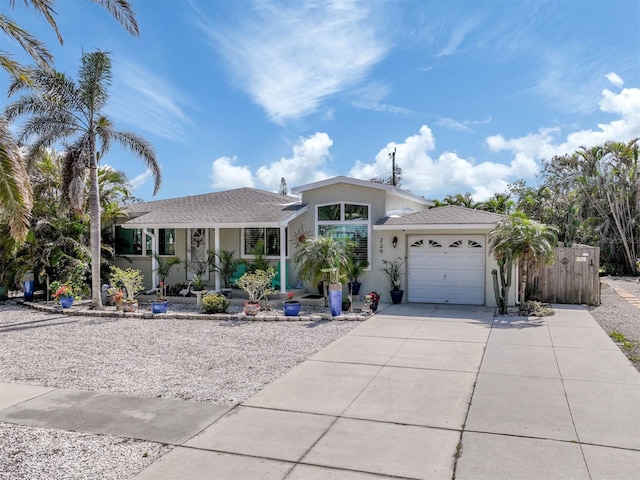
[{"x": 418, "y": 391}]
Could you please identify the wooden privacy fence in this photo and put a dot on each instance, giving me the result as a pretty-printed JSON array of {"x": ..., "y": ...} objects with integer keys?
[{"x": 572, "y": 278}]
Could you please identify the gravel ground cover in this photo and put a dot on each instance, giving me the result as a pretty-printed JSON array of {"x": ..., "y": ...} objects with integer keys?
[
  {"x": 222, "y": 362},
  {"x": 38, "y": 453},
  {"x": 615, "y": 314}
]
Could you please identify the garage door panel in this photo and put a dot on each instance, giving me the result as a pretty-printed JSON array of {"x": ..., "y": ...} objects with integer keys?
[{"x": 446, "y": 269}]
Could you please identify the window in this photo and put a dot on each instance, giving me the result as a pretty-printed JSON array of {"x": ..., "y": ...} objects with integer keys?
[
  {"x": 346, "y": 220},
  {"x": 270, "y": 238},
  {"x": 128, "y": 241},
  {"x": 167, "y": 241}
]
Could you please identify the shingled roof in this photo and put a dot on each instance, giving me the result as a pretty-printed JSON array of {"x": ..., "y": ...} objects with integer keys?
[
  {"x": 446, "y": 216},
  {"x": 238, "y": 207}
]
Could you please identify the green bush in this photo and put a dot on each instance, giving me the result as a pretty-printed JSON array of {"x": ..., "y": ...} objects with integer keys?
[
  {"x": 215, "y": 303},
  {"x": 533, "y": 308}
]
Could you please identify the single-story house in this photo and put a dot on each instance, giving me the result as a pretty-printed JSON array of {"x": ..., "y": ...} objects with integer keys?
[{"x": 445, "y": 248}]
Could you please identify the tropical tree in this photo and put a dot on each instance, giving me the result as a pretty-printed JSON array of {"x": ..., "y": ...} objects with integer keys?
[
  {"x": 61, "y": 110},
  {"x": 605, "y": 180},
  {"x": 462, "y": 200},
  {"x": 498, "y": 203},
  {"x": 15, "y": 192},
  {"x": 518, "y": 239}
]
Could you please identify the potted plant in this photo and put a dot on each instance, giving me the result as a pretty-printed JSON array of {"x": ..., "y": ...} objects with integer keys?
[
  {"x": 129, "y": 280},
  {"x": 355, "y": 268},
  {"x": 324, "y": 258},
  {"x": 226, "y": 267},
  {"x": 199, "y": 265},
  {"x": 291, "y": 306},
  {"x": 392, "y": 271},
  {"x": 160, "y": 304},
  {"x": 165, "y": 266},
  {"x": 63, "y": 293},
  {"x": 258, "y": 286},
  {"x": 371, "y": 300},
  {"x": 117, "y": 296}
]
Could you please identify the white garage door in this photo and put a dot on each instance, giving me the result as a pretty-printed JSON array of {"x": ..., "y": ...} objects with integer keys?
[{"x": 446, "y": 269}]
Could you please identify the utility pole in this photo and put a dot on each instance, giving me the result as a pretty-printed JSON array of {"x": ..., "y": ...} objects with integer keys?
[{"x": 392, "y": 156}]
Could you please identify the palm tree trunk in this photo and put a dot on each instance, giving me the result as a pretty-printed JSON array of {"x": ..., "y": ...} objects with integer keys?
[
  {"x": 94, "y": 200},
  {"x": 524, "y": 273}
]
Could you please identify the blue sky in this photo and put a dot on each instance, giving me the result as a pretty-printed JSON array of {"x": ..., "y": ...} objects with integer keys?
[{"x": 471, "y": 94}]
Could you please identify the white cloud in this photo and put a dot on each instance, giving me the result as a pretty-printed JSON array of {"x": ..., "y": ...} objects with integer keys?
[
  {"x": 546, "y": 143},
  {"x": 226, "y": 175},
  {"x": 453, "y": 125},
  {"x": 434, "y": 176},
  {"x": 307, "y": 164},
  {"x": 289, "y": 58},
  {"x": 370, "y": 97},
  {"x": 139, "y": 180},
  {"x": 615, "y": 79},
  {"x": 458, "y": 35},
  {"x": 145, "y": 100}
]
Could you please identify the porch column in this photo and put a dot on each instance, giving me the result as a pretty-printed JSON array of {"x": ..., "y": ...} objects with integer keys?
[
  {"x": 154, "y": 259},
  {"x": 283, "y": 260},
  {"x": 216, "y": 248}
]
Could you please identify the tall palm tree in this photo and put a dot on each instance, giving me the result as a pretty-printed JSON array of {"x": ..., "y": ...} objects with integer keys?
[
  {"x": 517, "y": 238},
  {"x": 15, "y": 192},
  {"x": 61, "y": 110}
]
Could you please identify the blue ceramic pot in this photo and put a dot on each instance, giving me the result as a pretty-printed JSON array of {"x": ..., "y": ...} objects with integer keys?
[
  {"x": 66, "y": 302},
  {"x": 291, "y": 309},
  {"x": 335, "y": 299},
  {"x": 159, "y": 307}
]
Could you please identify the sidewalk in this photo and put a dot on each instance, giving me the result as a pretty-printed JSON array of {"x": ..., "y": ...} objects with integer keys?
[{"x": 403, "y": 395}]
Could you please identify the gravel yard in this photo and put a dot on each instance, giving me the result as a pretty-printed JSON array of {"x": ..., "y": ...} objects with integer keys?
[
  {"x": 615, "y": 314},
  {"x": 222, "y": 362}
]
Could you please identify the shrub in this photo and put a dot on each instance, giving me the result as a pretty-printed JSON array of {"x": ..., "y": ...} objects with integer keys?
[
  {"x": 215, "y": 303},
  {"x": 129, "y": 279},
  {"x": 533, "y": 308}
]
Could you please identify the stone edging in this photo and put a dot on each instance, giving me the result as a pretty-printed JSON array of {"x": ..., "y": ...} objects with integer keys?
[{"x": 261, "y": 317}]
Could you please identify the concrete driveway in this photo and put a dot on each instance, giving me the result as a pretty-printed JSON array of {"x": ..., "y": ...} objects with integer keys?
[{"x": 426, "y": 392}]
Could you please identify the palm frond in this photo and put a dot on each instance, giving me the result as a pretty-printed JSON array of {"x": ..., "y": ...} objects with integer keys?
[
  {"x": 45, "y": 7},
  {"x": 15, "y": 190},
  {"x": 94, "y": 80},
  {"x": 30, "y": 44},
  {"x": 123, "y": 13},
  {"x": 15, "y": 69},
  {"x": 143, "y": 149}
]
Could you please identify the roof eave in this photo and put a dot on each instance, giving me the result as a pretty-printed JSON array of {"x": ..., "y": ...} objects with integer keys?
[{"x": 437, "y": 226}]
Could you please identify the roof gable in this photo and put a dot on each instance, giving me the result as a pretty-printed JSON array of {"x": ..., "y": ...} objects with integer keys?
[{"x": 389, "y": 189}]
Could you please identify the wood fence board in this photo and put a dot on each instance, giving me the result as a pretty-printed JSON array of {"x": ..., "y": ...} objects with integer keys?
[{"x": 573, "y": 278}]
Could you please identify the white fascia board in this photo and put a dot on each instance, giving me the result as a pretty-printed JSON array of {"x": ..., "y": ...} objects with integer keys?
[
  {"x": 440, "y": 226},
  {"x": 203, "y": 225}
]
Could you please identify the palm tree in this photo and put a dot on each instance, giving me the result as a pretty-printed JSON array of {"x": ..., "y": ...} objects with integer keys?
[
  {"x": 15, "y": 193},
  {"x": 62, "y": 110},
  {"x": 16, "y": 198},
  {"x": 517, "y": 238},
  {"x": 322, "y": 258},
  {"x": 498, "y": 203}
]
